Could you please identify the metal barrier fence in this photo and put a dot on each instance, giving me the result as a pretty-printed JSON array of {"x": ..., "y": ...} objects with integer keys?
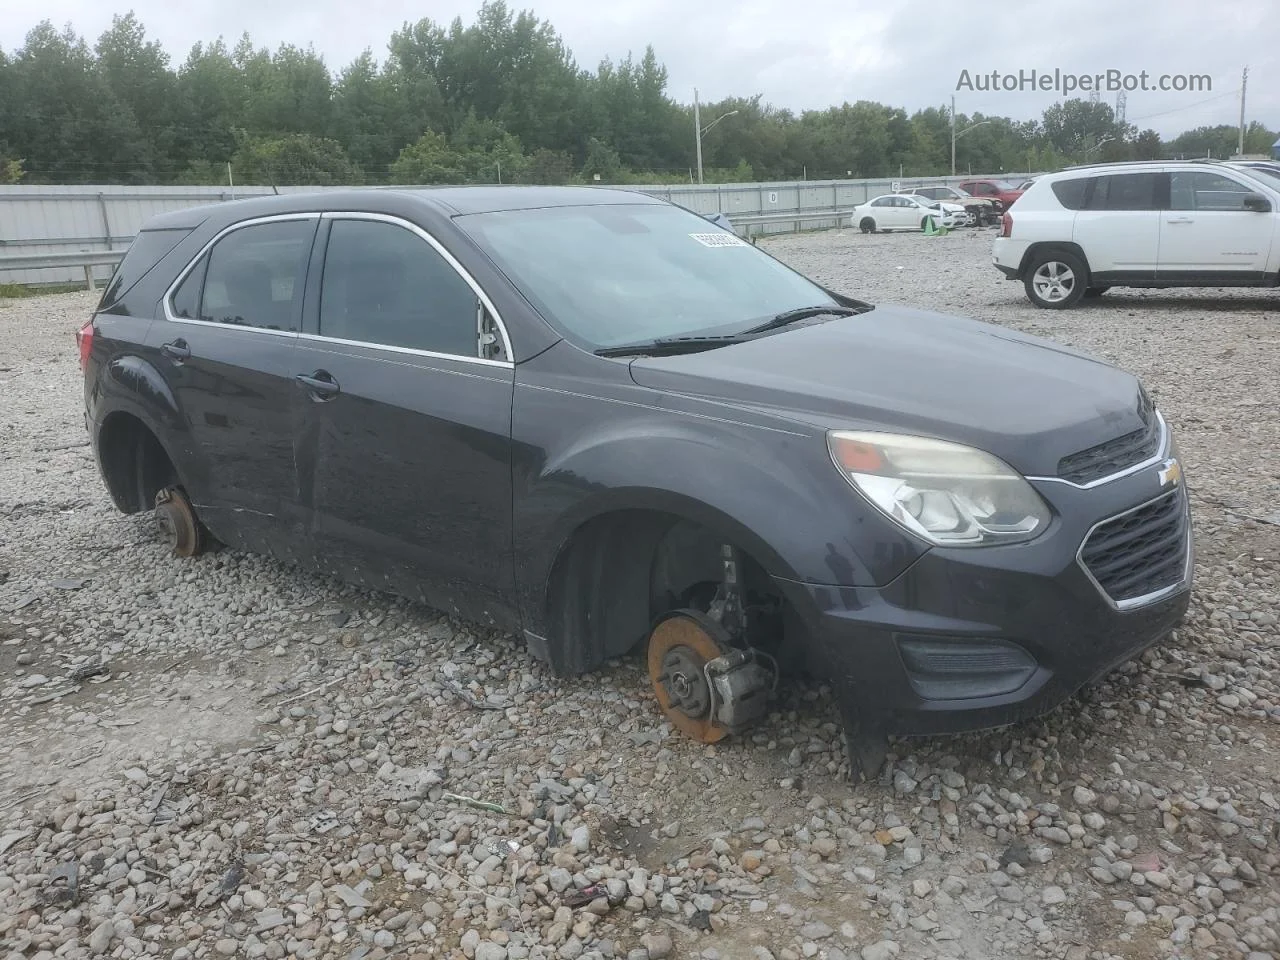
[{"x": 40, "y": 221}]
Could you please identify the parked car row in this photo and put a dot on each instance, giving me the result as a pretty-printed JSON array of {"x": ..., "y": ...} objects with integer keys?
[{"x": 907, "y": 212}]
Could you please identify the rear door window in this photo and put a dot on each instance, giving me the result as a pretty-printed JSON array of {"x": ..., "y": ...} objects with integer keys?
[
  {"x": 255, "y": 276},
  {"x": 384, "y": 284},
  {"x": 1127, "y": 191}
]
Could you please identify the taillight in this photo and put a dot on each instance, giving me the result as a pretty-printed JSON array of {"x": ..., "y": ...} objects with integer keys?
[
  {"x": 1006, "y": 225},
  {"x": 84, "y": 339}
]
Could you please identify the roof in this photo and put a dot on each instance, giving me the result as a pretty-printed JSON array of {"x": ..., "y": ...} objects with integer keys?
[{"x": 452, "y": 201}]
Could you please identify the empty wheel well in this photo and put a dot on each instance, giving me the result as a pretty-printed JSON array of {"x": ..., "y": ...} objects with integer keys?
[
  {"x": 622, "y": 570},
  {"x": 135, "y": 465},
  {"x": 1036, "y": 249}
]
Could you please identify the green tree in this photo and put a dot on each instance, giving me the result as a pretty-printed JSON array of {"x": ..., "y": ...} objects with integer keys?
[
  {"x": 296, "y": 158},
  {"x": 369, "y": 116},
  {"x": 429, "y": 159},
  {"x": 211, "y": 95},
  {"x": 66, "y": 122},
  {"x": 603, "y": 162}
]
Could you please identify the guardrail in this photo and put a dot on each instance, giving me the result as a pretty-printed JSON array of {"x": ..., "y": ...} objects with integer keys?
[
  {"x": 744, "y": 223},
  {"x": 88, "y": 259},
  {"x": 76, "y": 258}
]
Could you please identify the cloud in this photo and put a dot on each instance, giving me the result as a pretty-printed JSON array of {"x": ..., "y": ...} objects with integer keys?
[{"x": 805, "y": 54}]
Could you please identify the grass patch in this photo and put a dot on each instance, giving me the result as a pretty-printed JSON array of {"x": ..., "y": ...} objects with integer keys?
[{"x": 21, "y": 291}]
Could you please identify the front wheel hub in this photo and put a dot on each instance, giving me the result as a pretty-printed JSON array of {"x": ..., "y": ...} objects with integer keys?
[{"x": 680, "y": 647}]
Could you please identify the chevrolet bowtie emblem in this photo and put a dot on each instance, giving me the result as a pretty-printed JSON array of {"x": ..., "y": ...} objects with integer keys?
[{"x": 1170, "y": 473}]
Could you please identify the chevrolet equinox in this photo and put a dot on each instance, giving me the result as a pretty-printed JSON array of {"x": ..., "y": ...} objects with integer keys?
[{"x": 598, "y": 420}]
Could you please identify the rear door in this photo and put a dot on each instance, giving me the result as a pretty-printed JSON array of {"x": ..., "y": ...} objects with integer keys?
[
  {"x": 405, "y": 442},
  {"x": 1207, "y": 233},
  {"x": 225, "y": 346},
  {"x": 1118, "y": 226}
]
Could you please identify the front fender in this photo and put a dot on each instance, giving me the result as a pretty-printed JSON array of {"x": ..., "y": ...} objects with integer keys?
[{"x": 772, "y": 492}]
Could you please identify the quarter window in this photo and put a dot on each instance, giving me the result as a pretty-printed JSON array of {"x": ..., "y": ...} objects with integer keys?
[
  {"x": 384, "y": 284},
  {"x": 254, "y": 276},
  {"x": 1070, "y": 193},
  {"x": 1205, "y": 191}
]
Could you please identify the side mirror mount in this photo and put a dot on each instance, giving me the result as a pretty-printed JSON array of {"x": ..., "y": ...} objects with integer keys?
[{"x": 1257, "y": 203}]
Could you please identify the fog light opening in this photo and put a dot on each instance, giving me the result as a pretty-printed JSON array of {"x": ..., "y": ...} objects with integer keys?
[{"x": 962, "y": 669}]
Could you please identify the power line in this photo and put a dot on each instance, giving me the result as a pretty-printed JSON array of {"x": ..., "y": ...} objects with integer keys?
[{"x": 1188, "y": 106}]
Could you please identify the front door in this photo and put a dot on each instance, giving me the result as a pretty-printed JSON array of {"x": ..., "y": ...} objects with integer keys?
[
  {"x": 406, "y": 430},
  {"x": 225, "y": 346},
  {"x": 1208, "y": 234}
]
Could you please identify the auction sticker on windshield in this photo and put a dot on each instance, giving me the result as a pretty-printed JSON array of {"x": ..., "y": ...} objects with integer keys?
[{"x": 720, "y": 239}]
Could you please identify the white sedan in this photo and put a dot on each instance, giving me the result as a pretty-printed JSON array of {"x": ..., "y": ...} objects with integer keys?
[{"x": 906, "y": 212}]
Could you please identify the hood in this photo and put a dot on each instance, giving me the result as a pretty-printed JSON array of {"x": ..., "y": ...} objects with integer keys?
[{"x": 1029, "y": 401}]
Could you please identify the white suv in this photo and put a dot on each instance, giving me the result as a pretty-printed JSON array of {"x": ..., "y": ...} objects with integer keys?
[{"x": 1193, "y": 223}]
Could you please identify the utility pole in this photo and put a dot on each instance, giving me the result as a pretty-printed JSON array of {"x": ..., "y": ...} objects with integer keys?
[
  {"x": 1244, "y": 82},
  {"x": 697, "y": 130}
]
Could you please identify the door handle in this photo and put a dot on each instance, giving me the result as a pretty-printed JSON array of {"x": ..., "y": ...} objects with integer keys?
[
  {"x": 176, "y": 350},
  {"x": 321, "y": 384},
  {"x": 1181, "y": 220}
]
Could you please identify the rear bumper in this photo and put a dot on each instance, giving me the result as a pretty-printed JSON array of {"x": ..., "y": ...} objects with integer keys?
[
  {"x": 972, "y": 639},
  {"x": 1007, "y": 255}
]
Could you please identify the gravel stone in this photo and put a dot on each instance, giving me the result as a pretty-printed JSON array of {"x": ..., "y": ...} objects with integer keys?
[{"x": 265, "y": 763}]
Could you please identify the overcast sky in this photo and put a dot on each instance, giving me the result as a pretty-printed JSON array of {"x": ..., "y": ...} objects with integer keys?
[{"x": 800, "y": 53}]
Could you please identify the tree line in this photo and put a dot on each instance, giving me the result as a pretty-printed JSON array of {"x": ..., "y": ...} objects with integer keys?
[{"x": 498, "y": 100}]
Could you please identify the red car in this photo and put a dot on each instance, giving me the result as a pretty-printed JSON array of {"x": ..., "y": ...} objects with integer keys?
[{"x": 1001, "y": 190}]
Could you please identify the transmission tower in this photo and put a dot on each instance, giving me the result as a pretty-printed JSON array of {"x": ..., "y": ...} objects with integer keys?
[
  {"x": 1093, "y": 96},
  {"x": 1120, "y": 104}
]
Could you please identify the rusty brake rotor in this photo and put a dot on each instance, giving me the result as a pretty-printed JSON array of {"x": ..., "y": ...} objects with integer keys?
[{"x": 680, "y": 647}]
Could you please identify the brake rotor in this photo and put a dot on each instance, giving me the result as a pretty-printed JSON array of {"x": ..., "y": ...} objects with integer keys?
[
  {"x": 177, "y": 522},
  {"x": 679, "y": 649}
]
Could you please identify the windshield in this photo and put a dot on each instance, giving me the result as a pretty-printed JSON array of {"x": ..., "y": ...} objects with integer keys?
[
  {"x": 612, "y": 274},
  {"x": 1268, "y": 175}
]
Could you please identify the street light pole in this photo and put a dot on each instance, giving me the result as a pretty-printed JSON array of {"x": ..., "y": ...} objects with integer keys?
[
  {"x": 953, "y": 135},
  {"x": 697, "y": 130}
]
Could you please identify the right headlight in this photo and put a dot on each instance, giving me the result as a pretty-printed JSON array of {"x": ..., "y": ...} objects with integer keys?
[{"x": 946, "y": 493}]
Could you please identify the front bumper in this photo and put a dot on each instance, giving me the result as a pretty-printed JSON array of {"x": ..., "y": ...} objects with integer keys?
[{"x": 971, "y": 639}]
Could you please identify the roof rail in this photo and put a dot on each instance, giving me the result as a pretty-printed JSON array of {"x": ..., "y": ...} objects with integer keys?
[{"x": 1114, "y": 163}]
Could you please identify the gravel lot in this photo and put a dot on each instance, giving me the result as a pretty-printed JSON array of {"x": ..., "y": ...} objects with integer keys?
[{"x": 271, "y": 765}]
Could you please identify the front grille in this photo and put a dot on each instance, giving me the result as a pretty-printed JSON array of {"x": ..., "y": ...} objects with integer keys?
[
  {"x": 1140, "y": 552},
  {"x": 1114, "y": 455}
]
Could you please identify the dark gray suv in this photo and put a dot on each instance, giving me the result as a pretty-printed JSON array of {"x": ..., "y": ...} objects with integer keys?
[{"x": 597, "y": 420}]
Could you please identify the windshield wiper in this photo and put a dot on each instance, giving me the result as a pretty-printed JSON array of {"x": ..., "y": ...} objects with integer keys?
[
  {"x": 668, "y": 346},
  {"x": 801, "y": 313}
]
